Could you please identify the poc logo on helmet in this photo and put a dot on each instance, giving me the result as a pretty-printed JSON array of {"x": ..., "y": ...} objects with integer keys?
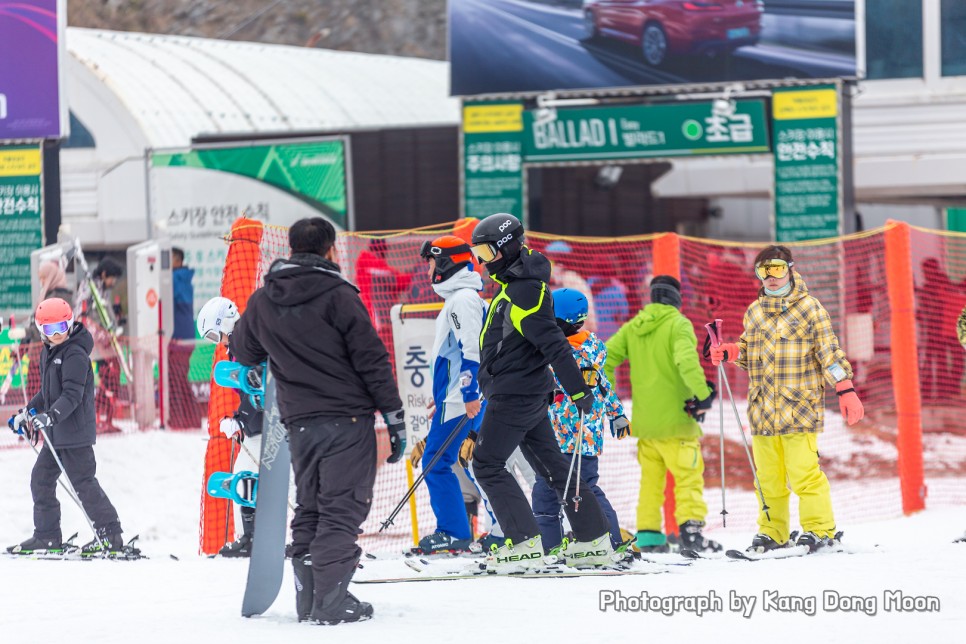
[
  {"x": 506, "y": 224},
  {"x": 504, "y": 240}
]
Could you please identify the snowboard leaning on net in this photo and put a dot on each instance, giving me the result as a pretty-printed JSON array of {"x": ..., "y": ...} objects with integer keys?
[{"x": 267, "y": 564}]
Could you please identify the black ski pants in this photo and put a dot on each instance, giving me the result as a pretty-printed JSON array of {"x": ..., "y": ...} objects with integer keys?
[
  {"x": 335, "y": 469},
  {"x": 512, "y": 421},
  {"x": 81, "y": 467}
]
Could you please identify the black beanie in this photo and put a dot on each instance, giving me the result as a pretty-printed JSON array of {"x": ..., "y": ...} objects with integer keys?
[{"x": 666, "y": 290}]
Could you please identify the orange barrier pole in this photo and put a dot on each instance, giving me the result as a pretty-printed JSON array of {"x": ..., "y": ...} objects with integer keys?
[
  {"x": 667, "y": 261},
  {"x": 237, "y": 284},
  {"x": 905, "y": 365}
]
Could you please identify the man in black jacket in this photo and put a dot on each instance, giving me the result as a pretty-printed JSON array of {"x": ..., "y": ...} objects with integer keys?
[
  {"x": 520, "y": 338},
  {"x": 65, "y": 411},
  {"x": 332, "y": 373}
]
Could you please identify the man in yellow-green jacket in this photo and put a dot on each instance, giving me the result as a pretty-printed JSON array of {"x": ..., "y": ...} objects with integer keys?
[{"x": 669, "y": 394}]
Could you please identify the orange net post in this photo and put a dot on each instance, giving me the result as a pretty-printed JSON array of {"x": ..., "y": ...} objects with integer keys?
[
  {"x": 239, "y": 280},
  {"x": 905, "y": 367},
  {"x": 667, "y": 261}
]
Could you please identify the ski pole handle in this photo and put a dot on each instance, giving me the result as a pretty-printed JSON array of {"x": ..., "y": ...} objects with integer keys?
[{"x": 714, "y": 331}]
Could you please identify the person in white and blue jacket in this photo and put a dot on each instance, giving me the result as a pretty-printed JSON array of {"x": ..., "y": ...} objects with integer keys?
[
  {"x": 456, "y": 390},
  {"x": 571, "y": 309}
]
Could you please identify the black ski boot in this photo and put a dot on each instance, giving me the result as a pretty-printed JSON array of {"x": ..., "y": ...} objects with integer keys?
[
  {"x": 814, "y": 542},
  {"x": 692, "y": 539},
  {"x": 763, "y": 543},
  {"x": 242, "y": 546},
  {"x": 442, "y": 542},
  {"x": 109, "y": 540},
  {"x": 339, "y": 605},
  {"x": 33, "y": 544},
  {"x": 304, "y": 586}
]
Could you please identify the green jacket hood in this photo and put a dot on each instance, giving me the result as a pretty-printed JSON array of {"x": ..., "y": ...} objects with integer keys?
[{"x": 652, "y": 317}]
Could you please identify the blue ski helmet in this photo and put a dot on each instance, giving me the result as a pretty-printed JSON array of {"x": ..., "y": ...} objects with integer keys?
[{"x": 570, "y": 305}]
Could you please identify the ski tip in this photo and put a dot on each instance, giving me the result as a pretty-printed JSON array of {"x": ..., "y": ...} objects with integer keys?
[{"x": 174, "y": 557}]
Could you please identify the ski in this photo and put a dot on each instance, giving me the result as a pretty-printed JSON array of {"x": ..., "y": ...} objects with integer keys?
[
  {"x": 70, "y": 551},
  {"x": 778, "y": 553},
  {"x": 545, "y": 573},
  {"x": 267, "y": 563}
]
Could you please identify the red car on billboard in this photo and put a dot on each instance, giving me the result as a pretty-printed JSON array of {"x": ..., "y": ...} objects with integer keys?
[{"x": 664, "y": 27}]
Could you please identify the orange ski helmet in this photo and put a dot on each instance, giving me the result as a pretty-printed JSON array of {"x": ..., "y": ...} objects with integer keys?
[{"x": 54, "y": 316}]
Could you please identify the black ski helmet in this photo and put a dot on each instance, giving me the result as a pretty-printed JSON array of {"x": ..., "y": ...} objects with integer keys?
[
  {"x": 499, "y": 232},
  {"x": 452, "y": 255}
]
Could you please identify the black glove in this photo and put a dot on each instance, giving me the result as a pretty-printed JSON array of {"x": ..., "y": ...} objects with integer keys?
[
  {"x": 396, "y": 426},
  {"x": 584, "y": 401},
  {"x": 697, "y": 408},
  {"x": 41, "y": 422}
]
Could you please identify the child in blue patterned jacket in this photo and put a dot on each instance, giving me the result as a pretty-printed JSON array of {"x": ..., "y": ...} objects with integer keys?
[{"x": 571, "y": 308}]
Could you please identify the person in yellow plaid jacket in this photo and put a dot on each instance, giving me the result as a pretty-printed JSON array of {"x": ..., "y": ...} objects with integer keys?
[{"x": 791, "y": 353}]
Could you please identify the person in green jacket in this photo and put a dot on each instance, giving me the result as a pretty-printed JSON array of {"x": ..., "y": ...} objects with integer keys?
[{"x": 670, "y": 394}]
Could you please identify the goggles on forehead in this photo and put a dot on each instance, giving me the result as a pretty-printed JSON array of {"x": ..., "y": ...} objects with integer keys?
[
  {"x": 777, "y": 268},
  {"x": 55, "y": 328},
  {"x": 484, "y": 253},
  {"x": 427, "y": 251}
]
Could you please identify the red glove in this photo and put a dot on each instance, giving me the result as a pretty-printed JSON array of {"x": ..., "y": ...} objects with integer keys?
[
  {"x": 724, "y": 351},
  {"x": 849, "y": 404}
]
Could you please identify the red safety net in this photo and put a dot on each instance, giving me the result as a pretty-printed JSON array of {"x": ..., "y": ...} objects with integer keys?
[{"x": 853, "y": 279}]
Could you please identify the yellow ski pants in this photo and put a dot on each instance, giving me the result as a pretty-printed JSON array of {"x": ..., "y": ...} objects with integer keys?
[
  {"x": 683, "y": 458},
  {"x": 791, "y": 461}
]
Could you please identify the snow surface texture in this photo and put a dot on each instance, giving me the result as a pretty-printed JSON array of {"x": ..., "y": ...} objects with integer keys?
[{"x": 154, "y": 480}]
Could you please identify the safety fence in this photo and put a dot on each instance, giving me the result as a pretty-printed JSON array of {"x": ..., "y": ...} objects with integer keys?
[{"x": 893, "y": 294}]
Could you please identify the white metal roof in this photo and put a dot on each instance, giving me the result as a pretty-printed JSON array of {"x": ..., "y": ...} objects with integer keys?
[{"x": 176, "y": 88}]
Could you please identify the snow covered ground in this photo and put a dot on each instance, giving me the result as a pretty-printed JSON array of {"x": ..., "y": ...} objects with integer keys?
[{"x": 154, "y": 480}]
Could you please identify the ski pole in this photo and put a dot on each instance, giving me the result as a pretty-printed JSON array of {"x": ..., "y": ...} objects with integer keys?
[
  {"x": 715, "y": 341},
  {"x": 744, "y": 439},
  {"x": 228, "y": 503},
  {"x": 72, "y": 492},
  {"x": 573, "y": 459},
  {"x": 422, "y": 475}
]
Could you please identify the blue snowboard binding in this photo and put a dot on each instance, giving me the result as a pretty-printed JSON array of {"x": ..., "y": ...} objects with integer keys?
[
  {"x": 248, "y": 380},
  {"x": 225, "y": 485}
]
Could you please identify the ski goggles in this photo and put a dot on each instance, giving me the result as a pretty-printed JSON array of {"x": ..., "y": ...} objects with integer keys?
[
  {"x": 484, "y": 253},
  {"x": 777, "y": 268},
  {"x": 427, "y": 251},
  {"x": 55, "y": 328}
]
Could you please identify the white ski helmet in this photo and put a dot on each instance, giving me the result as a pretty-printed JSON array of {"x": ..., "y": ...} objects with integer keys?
[{"x": 217, "y": 316}]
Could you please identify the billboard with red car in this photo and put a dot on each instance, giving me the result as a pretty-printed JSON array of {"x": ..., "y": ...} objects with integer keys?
[{"x": 514, "y": 46}]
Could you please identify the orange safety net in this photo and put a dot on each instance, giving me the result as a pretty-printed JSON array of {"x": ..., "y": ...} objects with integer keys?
[
  {"x": 242, "y": 272},
  {"x": 855, "y": 279}
]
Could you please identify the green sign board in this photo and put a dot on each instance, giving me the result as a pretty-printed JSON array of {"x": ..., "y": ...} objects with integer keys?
[
  {"x": 642, "y": 131},
  {"x": 807, "y": 163},
  {"x": 21, "y": 222},
  {"x": 492, "y": 159},
  {"x": 500, "y": 137},
  {"x": 313, "y": 172}
]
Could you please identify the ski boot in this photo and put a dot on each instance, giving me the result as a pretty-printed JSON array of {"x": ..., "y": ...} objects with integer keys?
[
  {"x": 763, "y": 543},
  {"x": 691, "y": 538},
  {"x": 35, "y": 545},
  {"x": 651, "y": 541},
  {"x": 485, "y": 542},
  {"x": 109, "y": 542},
  {"x": 304, "y": 586},
  {"x": 441, "y": 542},
  {"x": 814, "y": 542},
  {"x": 242, "y": 546},
  {"x": 588, "y": 554},
  {"x": 339, "y": 605},
  {"x": 510, "y": 557}
]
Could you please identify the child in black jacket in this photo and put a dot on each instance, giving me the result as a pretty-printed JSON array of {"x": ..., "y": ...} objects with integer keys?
[{"x": 65, "y": 412}]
